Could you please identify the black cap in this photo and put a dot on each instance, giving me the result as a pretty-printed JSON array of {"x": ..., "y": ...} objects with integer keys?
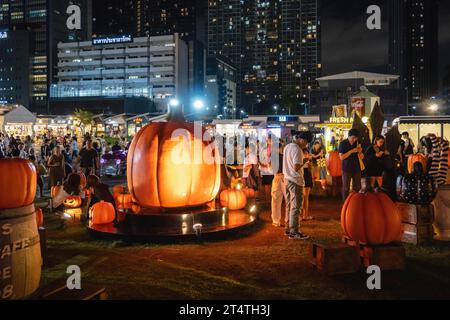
[{"x": 354, "y": 133}]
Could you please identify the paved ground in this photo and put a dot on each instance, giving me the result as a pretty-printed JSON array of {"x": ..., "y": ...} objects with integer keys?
[{"x": 259, "y": 264}]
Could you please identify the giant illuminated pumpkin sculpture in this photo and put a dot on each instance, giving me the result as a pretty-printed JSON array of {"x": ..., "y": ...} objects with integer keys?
[{"x": 166, "y": 165}]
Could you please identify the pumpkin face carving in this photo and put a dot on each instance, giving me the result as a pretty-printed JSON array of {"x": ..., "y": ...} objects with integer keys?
[
  {"x": 73, "y": 202},
  {"x": 233, "y": 199},
  {"x": 171, "y": 172},
  {"x": 334, "y": 164},
  {"x": 371, "y": 218},
  {"x": 17, "y": 183},
  {"x": 102, "y": 213}
]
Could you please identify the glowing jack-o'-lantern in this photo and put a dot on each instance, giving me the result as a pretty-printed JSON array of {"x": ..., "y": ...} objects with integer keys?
[
  {"x": 166, "y": 165},
  {"x": 233, "y": 199},
  {"x": 17, "y": 183},
  {"x": 371, "y": 218},
  {"x": 73, "y": 202},
  {"x": 102, "y": 213}
]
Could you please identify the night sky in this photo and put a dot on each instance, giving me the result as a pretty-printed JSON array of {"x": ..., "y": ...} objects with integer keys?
[{"x": 348, "y": 45}]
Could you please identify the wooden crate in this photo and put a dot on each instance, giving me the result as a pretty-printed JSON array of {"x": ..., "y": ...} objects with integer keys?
[
  {"x": 334, "y": 259},
  {"x": 387, "y": 257},
  {"x": 416, "y": 214},
  {"x": 417, "y": 234}
]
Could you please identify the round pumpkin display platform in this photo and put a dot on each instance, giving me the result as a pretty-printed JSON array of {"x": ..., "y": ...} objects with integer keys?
[
  {"x": 173, "y": 180},
  {"x": 141, "y": 224}
]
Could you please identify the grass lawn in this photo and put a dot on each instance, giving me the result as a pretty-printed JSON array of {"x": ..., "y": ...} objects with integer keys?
[{"x": 260, "y": 264}]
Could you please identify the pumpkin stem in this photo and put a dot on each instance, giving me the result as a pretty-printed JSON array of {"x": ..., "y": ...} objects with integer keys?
[{"x": 175, "y": 114}]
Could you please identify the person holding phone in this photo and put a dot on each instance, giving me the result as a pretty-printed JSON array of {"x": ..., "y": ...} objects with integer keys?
[{"x": 350, "y": 153}]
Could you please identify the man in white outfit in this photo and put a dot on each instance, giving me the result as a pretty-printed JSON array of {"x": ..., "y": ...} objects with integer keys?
[{"x": 293, "y": 164}]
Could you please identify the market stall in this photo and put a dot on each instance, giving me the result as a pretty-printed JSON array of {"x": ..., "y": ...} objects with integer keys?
[
  {"x": 418, "y": 127},
  {"x": 136, "y": 123},
  {"x": 16, "y": 120}
]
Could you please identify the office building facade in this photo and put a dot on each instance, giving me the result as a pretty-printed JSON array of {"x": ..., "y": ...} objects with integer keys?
[
  {"x": 123, "y": 66},
  {"x": 46, "y": 23}
]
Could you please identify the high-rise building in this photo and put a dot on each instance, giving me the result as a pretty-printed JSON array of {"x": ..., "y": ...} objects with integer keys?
[
  {"x": 274, "y": 45},
  {"x": 155, "y": 18},
  {"x": 413, "y": 46},
  {"x": 301, "y": 46},
  {"x": 45, "y": 31},
  {"x": 150, "y": 67}
]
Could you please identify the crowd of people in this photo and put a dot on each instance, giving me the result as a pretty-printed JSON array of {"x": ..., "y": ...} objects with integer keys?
[
  {"x": 56, "y": 157},
  {"x": 278, "y": 170}
]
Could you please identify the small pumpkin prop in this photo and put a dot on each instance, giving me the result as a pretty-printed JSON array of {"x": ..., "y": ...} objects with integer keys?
[
  {"x": 119, "y": 189},
  {"x": 250, "y": 193},
  {"x": 164, "y": 169},
  {"x": 39, "y": 217},
  {"x": 102, "y": 213},
  {"x": 417, "y": 188},
  {"x": 123, "y": 199},
  {"x": 83, "y": 180},
  {"x": 73, "y": 202},
  {"x": 371, "y": 218},
  {"x": 334, "y": 164},
  {"x": 55, "y": 190},
  {"x": 233, "y": 199},
  {"x": 418, "y": 157},
  {"x": 135, "y": 208},
  {"x": 17, "y": 183}
]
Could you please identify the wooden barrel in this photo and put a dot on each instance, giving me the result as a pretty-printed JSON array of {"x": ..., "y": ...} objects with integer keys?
[{"x": 20, "y": 253}]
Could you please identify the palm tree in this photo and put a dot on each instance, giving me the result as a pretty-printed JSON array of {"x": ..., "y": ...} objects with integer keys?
[
  {"x": 290, "y": 100},
  {"x": 84, "y": 117}
]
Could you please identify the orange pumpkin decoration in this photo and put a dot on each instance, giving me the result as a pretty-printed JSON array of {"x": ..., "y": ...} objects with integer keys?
[
  {"x": 73, "y": 202},
  {"x": 418, "y": 157},
  {"x": 118, "y": 189},
  {"x": 135, "y": 208},
  {"x": 102, "y": 213},
  {"x": 233, "y": 199},
  {"x": 250, "y": 193},
  {"x": 55, "y": 190},
  {"x": 39, "y": 217},
  {"x": 166, "y": 166},
  {"x": 123, "y": 199},
  {"x": 334, "y": 164},
  {"x": 371, "y": 218},
  {"x": 17, "y": 183}
]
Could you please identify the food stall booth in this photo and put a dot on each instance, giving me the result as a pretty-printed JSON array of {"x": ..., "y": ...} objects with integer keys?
[
  {"x": 56, "y": 126},
  {"x": 136, "y": 123},
  {"x": 419, "y": 126},
  {"x": 116, "y": 126},
  {"x": 16, "y": 120}
]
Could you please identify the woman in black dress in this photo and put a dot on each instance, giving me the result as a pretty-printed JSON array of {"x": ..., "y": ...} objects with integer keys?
[{"x": 375, "y": 159}]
